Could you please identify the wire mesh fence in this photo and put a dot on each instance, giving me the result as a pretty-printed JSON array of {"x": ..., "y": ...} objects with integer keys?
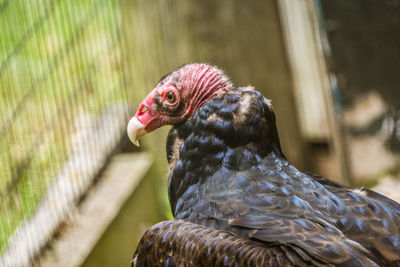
[{"x": 62, "y": 111}]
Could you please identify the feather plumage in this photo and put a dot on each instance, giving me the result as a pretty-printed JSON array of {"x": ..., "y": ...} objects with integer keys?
[{"x": 231, "y": 181}]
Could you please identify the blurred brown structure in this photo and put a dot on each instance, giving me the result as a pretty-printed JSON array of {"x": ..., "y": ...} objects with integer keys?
[{"x": 365, "y": 57}]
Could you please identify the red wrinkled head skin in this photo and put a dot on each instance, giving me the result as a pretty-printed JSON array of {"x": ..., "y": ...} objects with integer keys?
[{"x": 180, "y": 94}]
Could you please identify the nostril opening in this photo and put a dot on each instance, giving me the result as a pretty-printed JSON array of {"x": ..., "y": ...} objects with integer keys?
[{"x": 142, "y": 109}]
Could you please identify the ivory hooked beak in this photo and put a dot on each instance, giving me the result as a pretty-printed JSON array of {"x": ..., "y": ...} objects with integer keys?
[{"x": 135, "y": 130}]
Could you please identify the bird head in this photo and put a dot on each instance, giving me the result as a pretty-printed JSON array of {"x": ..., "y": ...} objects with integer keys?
[{"x": 176, "y": 98}]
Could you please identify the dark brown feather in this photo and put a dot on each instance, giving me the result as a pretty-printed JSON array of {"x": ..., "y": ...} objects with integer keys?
[{"x": 180, "y": 243}]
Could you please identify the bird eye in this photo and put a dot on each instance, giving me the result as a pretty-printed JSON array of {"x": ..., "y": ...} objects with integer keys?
[{"x": 170, "y": 96}]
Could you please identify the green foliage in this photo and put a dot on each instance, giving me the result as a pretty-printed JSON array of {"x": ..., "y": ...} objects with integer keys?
[{"x": 59, "y": 60}]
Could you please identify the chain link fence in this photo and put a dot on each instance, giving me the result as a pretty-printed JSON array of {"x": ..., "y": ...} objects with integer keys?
[{"x": 62, "y": 112}]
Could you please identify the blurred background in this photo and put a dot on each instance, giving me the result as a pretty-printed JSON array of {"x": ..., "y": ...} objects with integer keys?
[{"x": 75, "y": 192}]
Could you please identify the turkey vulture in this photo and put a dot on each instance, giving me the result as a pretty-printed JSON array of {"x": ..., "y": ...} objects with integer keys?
[{"x": 236, "y": 199}]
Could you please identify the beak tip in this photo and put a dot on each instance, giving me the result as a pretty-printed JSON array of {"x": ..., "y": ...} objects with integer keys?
[
  {"x": 135, "y": 130},
  {"x": 136, "y": 143}
]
